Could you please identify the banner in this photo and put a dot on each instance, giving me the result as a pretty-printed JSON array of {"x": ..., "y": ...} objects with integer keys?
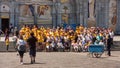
[{"x": 69, "y": 26}]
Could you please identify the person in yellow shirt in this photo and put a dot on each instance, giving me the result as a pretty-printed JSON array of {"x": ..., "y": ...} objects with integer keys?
[{"x": 7, "y": 42}]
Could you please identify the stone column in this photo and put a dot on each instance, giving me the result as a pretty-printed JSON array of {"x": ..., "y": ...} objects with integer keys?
[
  {"x": 81, "y": 12},
  {"x": 17, "y": 14},
  {"x": 36, "y": 8},
  {"x": 85, "y": 5},
  {"x": 100, "y": 9},
  {"x": 11, "y": 12},
  {"x": 59, "y": 16},
  {"x": 102, "y": 14},
  {"x": 118, "y": 18},
  {"x": 107, "y": 13},
  {"x": 0, "y": 15},
  {"x": 54, "y": 16},
  {"x": 78, "y": 11}
]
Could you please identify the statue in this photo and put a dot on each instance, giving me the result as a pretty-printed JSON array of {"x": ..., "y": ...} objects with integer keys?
[
  {"x": 91, "y": 19},
  {"x": 91, "y": 9},
  {"x": 113, "y": 14}
]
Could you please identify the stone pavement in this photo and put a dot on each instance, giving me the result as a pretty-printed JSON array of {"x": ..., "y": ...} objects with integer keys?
[{"x": 60, "y": 60}]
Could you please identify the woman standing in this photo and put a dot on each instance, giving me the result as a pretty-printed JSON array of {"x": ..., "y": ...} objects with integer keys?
[
  {"x": 14, "y": 41},
  {"x": 7, "y": 42},
  {"x": 21, "y": 45}
]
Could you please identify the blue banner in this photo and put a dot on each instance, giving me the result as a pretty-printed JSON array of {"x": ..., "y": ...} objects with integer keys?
[{"x": 72, "y": 26}]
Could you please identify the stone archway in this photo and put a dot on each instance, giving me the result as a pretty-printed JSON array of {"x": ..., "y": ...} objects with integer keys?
[{"x": 118, "y": 18}]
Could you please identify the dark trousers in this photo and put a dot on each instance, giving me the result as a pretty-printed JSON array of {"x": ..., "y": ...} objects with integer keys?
[
  {"x": 7, "y": 47},
  {"x": 109, "y": 50}
]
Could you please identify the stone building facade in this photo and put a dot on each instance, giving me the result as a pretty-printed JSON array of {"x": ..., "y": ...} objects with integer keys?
[{"x": 98, "y": 13}]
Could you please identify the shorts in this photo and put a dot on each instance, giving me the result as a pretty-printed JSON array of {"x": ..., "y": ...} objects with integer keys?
[
  {"x": 21, "y": 53},
  {"x": 32, "y": 52}
]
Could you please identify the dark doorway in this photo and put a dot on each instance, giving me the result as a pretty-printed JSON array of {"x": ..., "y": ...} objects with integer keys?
[{"x": 5, "y": 24}]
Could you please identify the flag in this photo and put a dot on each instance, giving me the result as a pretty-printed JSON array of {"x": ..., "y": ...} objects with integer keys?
[{"x": 32, "y": 9}]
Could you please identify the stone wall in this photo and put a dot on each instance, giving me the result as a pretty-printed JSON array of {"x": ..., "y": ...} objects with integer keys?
[
  {"x": 113, "y": 14},
  {"x": 102, "y": 13}
]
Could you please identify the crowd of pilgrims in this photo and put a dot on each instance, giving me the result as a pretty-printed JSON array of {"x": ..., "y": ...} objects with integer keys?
[{"x": 60, "y": 39}]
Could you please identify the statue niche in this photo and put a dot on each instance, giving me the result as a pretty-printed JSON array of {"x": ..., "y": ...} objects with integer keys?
[{"x": 91, "y": 19}]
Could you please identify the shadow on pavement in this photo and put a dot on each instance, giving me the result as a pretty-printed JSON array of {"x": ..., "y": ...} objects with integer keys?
[{"x": 34, "y": 63}]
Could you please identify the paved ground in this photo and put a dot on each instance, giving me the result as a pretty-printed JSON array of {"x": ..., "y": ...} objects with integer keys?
[{"x": 60, "y": 60}]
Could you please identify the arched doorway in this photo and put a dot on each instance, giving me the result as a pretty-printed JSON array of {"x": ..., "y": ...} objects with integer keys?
[
  {"x": 5, "y": 24},
  {"x": 4, "y": 17}
]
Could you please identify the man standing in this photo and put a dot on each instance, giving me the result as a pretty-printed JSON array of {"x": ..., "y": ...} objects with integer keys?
[
  {"x": 32, "y": 45},
  {"x": 109, "y": 43}
]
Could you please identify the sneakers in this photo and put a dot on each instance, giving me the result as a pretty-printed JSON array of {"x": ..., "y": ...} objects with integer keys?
[{"x": 32, "y": 62}]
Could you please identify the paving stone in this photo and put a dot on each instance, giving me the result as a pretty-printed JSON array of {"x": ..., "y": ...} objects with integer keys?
[{"x": 60, "y": 60}]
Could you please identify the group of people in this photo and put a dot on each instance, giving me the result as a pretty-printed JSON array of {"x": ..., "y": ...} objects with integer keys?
[
  {"x": 22, "y": 46},
  {"x": 60, "y": 39},
  {"x": 13, "y": 31},
  {"x": 57, "y": 39}
]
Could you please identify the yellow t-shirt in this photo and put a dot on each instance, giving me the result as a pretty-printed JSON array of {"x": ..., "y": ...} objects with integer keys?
[{"x": 7, "y": 41}]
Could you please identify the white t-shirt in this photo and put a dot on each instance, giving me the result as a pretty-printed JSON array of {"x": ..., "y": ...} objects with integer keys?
[
  {"x": 14, "y": 38},
  {"x": 21, "y": 42}
]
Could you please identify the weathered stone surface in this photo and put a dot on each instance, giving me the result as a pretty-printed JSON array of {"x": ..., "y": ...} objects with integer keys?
[
  {"x": 86, "y": 12},
  {"x": 91, "y": 23},
  {"x": 60, "y": 60},
  {"x": 113, "y": 14}
]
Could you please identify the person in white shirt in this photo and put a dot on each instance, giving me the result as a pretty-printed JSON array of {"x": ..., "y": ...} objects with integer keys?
[
  {"x": 101, "y": 42},
  {"x": 14, "y": 38},
  {"x": 21, "y": 45}
]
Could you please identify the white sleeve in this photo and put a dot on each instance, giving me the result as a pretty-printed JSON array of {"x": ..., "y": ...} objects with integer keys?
[{"x": 18, "y": 42}]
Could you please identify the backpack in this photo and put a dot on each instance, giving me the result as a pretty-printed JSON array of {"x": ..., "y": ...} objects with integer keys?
[{"x": 21, "y": 47}]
